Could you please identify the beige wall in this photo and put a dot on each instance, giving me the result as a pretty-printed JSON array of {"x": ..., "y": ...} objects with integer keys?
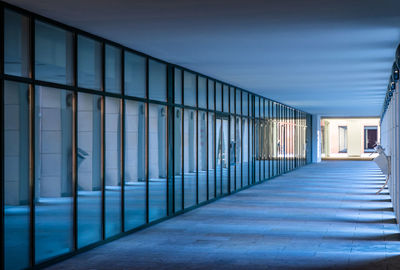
[{"x": 355, "y": 135}]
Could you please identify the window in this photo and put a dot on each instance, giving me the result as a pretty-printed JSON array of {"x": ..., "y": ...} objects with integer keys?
[
  {"x": 178, "y": 86},
  {"x": 135, "y": 75},
  {"x": 202, "y": 92},
  {"x": 16, "y": 44},
  {"x": 342, "y": 139},
  {"x": 53, "y": 172},
  {"x": 112, "y": 167},
  {"x": 89, "y": 169},
  {"x": 157, "y": 81},
  {"x": 113, "y": 69},
  {"x": 135, "y": 176},
  {"x": 157, "y": 161},
  {"x": 189, "y": 92},
  {"x": 89, "y": 63},
  {"x": 53, "y": 54},
  {"x": 370, "y": 138},
  {"x": 16, "y": 175}
]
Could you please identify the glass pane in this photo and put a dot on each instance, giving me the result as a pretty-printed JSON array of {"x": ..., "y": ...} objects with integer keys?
[
  {"x": 89, "y": 63},
  {"x": 53, "y": 172},
  {"x": 211, "y": 156},
  {"x": 16, "y": 175},
  {"x": 157, "y": 161},
  {"x": 157, "y": 81},
  {"x": 232, "y": 146},
  {"x": 202, "y": 92},
  {"x": 251, "y": 157},
  {"x": 211, "y": 95},
  {"x": 89, "y": 169},
  {"x": 257, "y": 106},
  {"x": 226, "y": 98},
  {"x": 257, "y": 150},
  {"x": 245, "y": 103},
  {"x": 238, "y": 153},
  {"x": 189, "y": 89},
  {"x": 245, "y": 166},
  {"x": 218, "y": 97},
  {"x": 135, "y": 177},
  {"x": 113, "y": 69},
  {"x": 232, "y": 100},
  {"x": 202, "y": 155},
  {"x": 112, "y": 166},
  {"x": 135, "y": 75},
  {"x": 178, "y": 86},
  {"x": 16, "y": 44},
  {"x": 53, "y": 54},
  {"x": 178, "y": 185},
  {"x": 238, "y": 102},
  {"x": 189, "y": 158},
  {"x": 224, "y": 152}
]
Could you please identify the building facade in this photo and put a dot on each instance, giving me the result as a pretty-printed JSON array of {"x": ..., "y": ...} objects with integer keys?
[
  {"x": 349, "y": 137},
  {"x": 99, "y": 140}
]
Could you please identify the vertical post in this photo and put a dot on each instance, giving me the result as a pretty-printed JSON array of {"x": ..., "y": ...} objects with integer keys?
[
  {"x": 103, "y": 143},
  {"x": 146, "y": 135},
  {"x": 2, "y": 244},
  {"x": 75, "y": 144}
]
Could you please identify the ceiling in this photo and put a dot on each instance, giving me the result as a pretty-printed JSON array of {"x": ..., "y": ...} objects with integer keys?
[{"x": 325, "y": 57}]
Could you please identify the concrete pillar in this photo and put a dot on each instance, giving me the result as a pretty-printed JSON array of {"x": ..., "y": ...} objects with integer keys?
[{"x": 316, "y": 138}]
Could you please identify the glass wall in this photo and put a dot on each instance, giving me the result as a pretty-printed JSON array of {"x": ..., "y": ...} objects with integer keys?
[
  {"x": 112, "y": 131},
  {"x": 135, "y": 166},
  {"x": 16, "y": 175},
  {"x": 157, "y": 161},
  {"x": 53, "y": 172},
  {"x": 112, "y": 167},
  {"x": 89, "y": 166}
]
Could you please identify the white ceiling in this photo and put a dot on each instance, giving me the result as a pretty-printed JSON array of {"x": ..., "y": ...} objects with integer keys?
[{"x": 326, "y": 57}]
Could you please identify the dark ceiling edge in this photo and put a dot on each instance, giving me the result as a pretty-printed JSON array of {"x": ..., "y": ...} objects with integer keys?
[{"x": 116, "y": 44}]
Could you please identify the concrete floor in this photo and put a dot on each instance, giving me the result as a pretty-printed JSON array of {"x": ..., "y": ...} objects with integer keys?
[{"x": 322, "y": 216}]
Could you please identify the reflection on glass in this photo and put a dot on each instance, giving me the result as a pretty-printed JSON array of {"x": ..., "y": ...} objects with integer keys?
[
  {"x": 238, "y": 101},
  {"x": 202, "y": 156},
  {"x": 218, "y": 97},
  {"x": 135, "y": 177},
  {"x": 232, "y": 100},
  {"x": 178, "y": 184},
  {"x": 89, "y": 63},
  {"x": 178, "y": 86},
  {"x": 232, "y": 155},
  {"x": 189, "y": 89},
  {"x": 16, "y": 44},
  {"x": 135, "y": 75},
  {"x": 157, "y": 161},
  {"x": 157, "y": 81},
  {"x": 257, "y": 151},
  {"x": 251, "y": 157},
  {"x": 53, "y": 54},
  {"x": 211, "y": 156},
  {"x": 245, "y": 166},
  {"x": 238, "y": 153},
  {"x": 224, "y": 155},
  {"x": 112, "y": 167},
  {"x": 245, "y": 103},
  {"x": 189, "y": 158},
  {"x": 89, "y": 169},
  {"x": 113, "y": 69},
  {"x": 226, "y": 98},
  {"x": 211, "y": 95},
  {"x": 16, "y": 175},
  {"x": 53, "y": 172},
  {"x": 202, "y": 92}
]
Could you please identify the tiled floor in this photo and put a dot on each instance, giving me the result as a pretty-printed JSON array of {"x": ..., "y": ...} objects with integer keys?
[{"x": 322, "y": 216}]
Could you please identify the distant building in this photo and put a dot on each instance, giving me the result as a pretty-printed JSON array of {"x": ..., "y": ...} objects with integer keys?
[{"x": 349, "y": 137}]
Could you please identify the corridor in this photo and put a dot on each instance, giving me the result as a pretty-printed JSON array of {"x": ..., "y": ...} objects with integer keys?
[{"x": 321, "y": 216}]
